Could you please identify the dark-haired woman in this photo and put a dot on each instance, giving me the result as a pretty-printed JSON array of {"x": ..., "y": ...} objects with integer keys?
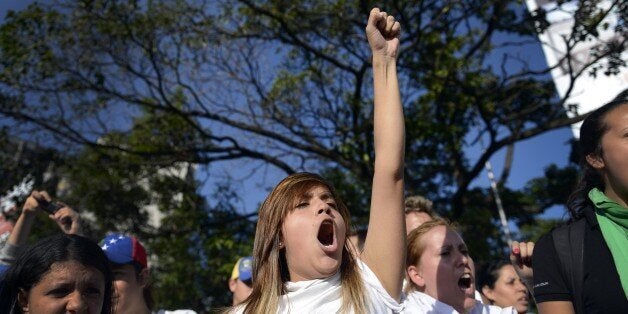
[
  {"x": 500, "y": 285},
  {"x": 58, "y": 274},
  {"x": 594, "y": 278}
]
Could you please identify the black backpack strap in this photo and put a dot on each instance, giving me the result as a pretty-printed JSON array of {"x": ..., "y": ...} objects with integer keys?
[{"x": 569, "y": 244}]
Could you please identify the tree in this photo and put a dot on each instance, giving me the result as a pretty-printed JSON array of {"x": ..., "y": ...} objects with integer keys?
[
  {"x": 19, "y": 159},
  {"x": 197, "y": 250},
  {"x": 21, "y": 162},
  {"x": 287, "y": 84},
  {"x": 194, "y": 245},
  {"x": 191, "y": 251}
]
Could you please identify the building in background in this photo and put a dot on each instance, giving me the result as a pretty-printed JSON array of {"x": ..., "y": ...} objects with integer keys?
[
  {"x": 181, "y": 170},
  {"x": 588, "y": 92}
]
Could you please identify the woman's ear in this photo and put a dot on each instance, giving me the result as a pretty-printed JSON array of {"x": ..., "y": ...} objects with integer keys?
[
  {"x": 416, "y": 276},
  {"x": 280, "y": 243},
  {"x": 595, "y": 161},
  {"x": 233, "y": 284},
  {"x": 488, "y": 294},
  {"x": 144, "y": 277},
  {"x": 22, "y": 300}
]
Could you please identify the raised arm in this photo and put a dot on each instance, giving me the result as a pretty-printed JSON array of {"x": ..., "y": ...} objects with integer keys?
[
  {"x": 25, "y": 221},
  {"x": 385, "y": 245},
  {"x": 22, "y": 228},
  {"x": 66, "y": 218}
]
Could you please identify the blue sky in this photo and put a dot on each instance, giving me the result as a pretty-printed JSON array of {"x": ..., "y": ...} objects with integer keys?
[
  {"x": 531, "y": 156},
  {"x": 6, "y": 5}
]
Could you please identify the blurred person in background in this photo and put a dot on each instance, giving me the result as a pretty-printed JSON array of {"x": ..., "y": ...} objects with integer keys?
[
  {"x": 418, "y": 211},
  {"x": 500, "y": 285},
  {"x": 131, "y": 276},
  {"x": 241, "y": 279},
  {"x": 66, "y": 218}
]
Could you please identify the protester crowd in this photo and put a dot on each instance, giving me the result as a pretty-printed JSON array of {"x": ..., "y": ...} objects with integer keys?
[{"x": 307, "y": 259}]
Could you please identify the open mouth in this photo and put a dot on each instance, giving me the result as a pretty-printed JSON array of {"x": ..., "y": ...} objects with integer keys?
[
  {"x": 326, "y": 233},
  {"x": 465, "y": 281}
]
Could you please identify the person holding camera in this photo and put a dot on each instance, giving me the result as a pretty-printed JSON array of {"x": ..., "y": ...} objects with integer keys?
[{"x": 68, "y": 220}]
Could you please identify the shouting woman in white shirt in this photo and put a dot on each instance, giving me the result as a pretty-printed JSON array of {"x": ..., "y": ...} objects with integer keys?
[
  {"x": 440, "y": 273},
  {"x": 302, "y": 261}
]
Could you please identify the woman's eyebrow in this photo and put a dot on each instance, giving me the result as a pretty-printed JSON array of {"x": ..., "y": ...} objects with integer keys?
[
  {"x": 306, "y": 196},
  {"x": 446, "y": 247}
]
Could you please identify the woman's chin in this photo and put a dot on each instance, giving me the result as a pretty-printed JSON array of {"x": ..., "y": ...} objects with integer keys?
[
  {"x": 328, "y": 266},
  {"x": 521, "y": 308},
  {"x": 469, "y": 303}
]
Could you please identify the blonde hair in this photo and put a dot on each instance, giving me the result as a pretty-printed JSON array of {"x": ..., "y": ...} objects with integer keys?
[
  {"x": 270, "y": 270},
  {"x": 416, "y": 246}
]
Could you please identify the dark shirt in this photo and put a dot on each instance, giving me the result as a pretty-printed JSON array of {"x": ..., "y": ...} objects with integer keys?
[{"x": 602, "y": 290}]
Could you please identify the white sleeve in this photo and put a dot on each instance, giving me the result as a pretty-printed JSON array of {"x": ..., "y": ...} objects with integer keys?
[
  {"x": 9, "y": 252},
  {"x": 380, "y": 300}
]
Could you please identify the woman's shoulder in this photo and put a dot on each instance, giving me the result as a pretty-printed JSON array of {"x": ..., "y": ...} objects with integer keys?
[
  {"x": 380, "y": 300},
  {"x": 419, "y": 302},
  {"x": 547, "y": 239}
]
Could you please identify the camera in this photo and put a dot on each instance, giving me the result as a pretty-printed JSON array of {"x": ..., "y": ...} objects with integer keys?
[{"x": 50, "y": 207}]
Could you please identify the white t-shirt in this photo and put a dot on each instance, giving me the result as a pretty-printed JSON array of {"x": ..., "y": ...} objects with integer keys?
[
  {"x": 477, "y": 296},
  {"x": 324, "y": 295},
  {"x": 419, "y": 302}
]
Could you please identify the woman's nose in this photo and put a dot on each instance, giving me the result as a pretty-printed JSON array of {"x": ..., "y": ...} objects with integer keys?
[
  {"x": 76, "y": 303},
  {"x": 326, "y": 210},
  {"x": 521, "y": 287},
  {"x": 463, "y": 259}
]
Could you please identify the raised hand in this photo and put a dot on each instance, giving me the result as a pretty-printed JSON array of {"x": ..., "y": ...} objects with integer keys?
[
  {"x": 521, "y": 259},
  {"x": 25, "y": 222},
  {"x": 383, "y": 33},
  {"x": 34, "y": 201},
  {"x": 68, "y": 220}
]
